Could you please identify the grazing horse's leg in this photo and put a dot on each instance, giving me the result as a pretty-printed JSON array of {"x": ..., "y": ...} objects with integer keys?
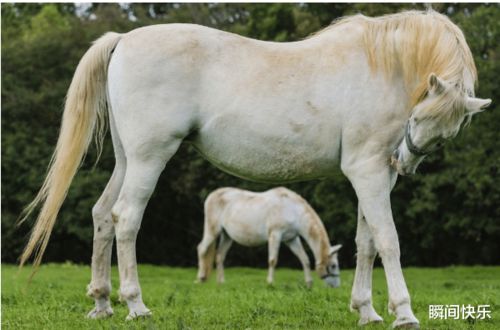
[
  {"x": 296, "y": 246},
  {"x": 361, "y": 298},
  {"x": 143, "y": 169},
  {"x": 104, "y": 232},
  {"x": 206, "y": 248},
  {"x": 224, "y": 245},
  {"x": 373, "y": 185},
  {"x": 273, "y": 247}
]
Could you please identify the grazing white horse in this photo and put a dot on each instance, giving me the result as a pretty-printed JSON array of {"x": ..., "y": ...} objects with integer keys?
[
  {"x": 352, "y": 95},
  {"x": 274, "y": 216}
]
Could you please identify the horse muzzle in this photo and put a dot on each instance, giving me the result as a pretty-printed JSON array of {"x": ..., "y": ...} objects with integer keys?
[{"x": 397, "y": 164}]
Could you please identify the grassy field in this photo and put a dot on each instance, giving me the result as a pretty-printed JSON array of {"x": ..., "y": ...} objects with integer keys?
[{"x": 56, "y": 299}]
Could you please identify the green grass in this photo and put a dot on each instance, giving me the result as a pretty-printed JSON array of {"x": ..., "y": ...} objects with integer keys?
[{"x": 56, "y": 299}]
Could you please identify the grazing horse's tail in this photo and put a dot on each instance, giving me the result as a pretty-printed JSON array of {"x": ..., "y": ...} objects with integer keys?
[{"x": 84, "y": 113}]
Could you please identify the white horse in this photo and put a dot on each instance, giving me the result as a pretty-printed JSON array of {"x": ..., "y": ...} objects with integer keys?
[
  {"x": 274, "y": 216},
  {"x": 354, "y": 94}
]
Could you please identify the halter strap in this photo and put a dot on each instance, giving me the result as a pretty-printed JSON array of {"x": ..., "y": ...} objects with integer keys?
[
  {"x": 409, "y": 143},
  {"x": 329, "y": 275}
]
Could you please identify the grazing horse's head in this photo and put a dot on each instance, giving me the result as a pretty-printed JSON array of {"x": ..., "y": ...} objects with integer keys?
[
  {"x": 332, "y": 276},
  {"x": 434, "y": 120}
]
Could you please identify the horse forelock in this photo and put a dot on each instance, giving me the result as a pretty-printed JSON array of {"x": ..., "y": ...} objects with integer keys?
[
  {"x": 449, "y": 109},
  {"x": 415, "y": 44}
]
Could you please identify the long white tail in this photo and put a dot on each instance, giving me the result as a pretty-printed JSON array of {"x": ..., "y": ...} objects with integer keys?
[{"x": 84, "y": 114}]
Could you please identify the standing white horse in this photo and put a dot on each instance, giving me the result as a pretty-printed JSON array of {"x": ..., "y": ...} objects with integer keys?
[
  {"x": 352, "y": 95},
  {"x": 273, "y": 216}
]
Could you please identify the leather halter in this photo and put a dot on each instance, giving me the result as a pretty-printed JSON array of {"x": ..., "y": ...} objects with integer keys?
[
  {"x": 411, "y": 146},
  {"x": 329, "y": 275}
]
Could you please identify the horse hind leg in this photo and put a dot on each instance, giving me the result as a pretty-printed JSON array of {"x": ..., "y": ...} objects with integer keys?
[
  {"x": 104, "y": 232},
  {"x": 224, "y": 245},
  {"x": 273, "y": 249},
  {"x": 141, "y": 176},
  {"x": 100, "y": 284},
  {"x": 206, "y": 248}
]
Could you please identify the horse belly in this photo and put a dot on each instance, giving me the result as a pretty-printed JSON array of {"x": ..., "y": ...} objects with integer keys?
[
  {"x": 265, "y": 153},
  {"x": 246, "y": 230}
]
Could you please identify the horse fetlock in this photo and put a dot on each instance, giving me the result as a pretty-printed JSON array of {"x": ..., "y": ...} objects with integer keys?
[
  {"x": 358, "y": 300},
  {"x": 102, "y": 308},
  {"x": 404, "y": 316},
  {"x": 129, "y": 292},
  {"x": 137, "y": 309},
  {"x": 100, "y": 313},
  {"x": 201, "y": 279},
  {"x": 367, "y": 314},
  {"x": 202, "y": 275},
  {"x": 98, "y": 290},
  {"x": 401, "y": 305}
]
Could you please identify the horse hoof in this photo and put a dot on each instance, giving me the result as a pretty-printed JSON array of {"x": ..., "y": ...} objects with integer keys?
[
  {"x": 100, "y": 314},
  {"x": 372, "y": 320},
  {"x": 408, "y": 325},
  {"x": 139, "y": 314}
]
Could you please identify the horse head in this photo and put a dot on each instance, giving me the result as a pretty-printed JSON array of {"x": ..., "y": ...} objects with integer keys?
[
  {"x": 332, "y": 277},
  {"x": 433, "y": 121}
]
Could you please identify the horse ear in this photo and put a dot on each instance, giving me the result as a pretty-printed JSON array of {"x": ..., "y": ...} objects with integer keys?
[
  {"x": 335, "y": 248},
  {"x": 475, "y": 105},
  {"x": 435, "y": 84}
]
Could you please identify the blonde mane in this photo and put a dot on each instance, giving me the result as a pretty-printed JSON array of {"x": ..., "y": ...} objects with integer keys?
[{"x": 416, "y": 44}]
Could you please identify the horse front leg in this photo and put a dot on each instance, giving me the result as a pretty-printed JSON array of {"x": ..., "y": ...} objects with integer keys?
[
  {"x": 296, "y": 247},
  {"x": 373, "y": 188},
  {"x": 361, "y": 297}
]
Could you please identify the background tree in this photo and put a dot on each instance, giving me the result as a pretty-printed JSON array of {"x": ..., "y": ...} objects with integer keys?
[{"x": 448, "y": 214}]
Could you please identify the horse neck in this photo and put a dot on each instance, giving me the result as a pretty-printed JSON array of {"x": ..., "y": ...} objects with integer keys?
[{"x": 314, "y": 233}]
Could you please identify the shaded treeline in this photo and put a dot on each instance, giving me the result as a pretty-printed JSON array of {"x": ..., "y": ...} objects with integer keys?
[{"x": 447, "y": 214}]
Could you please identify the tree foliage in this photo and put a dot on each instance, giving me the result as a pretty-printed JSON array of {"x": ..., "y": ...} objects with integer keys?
[{"x": 446, "y": 214}]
